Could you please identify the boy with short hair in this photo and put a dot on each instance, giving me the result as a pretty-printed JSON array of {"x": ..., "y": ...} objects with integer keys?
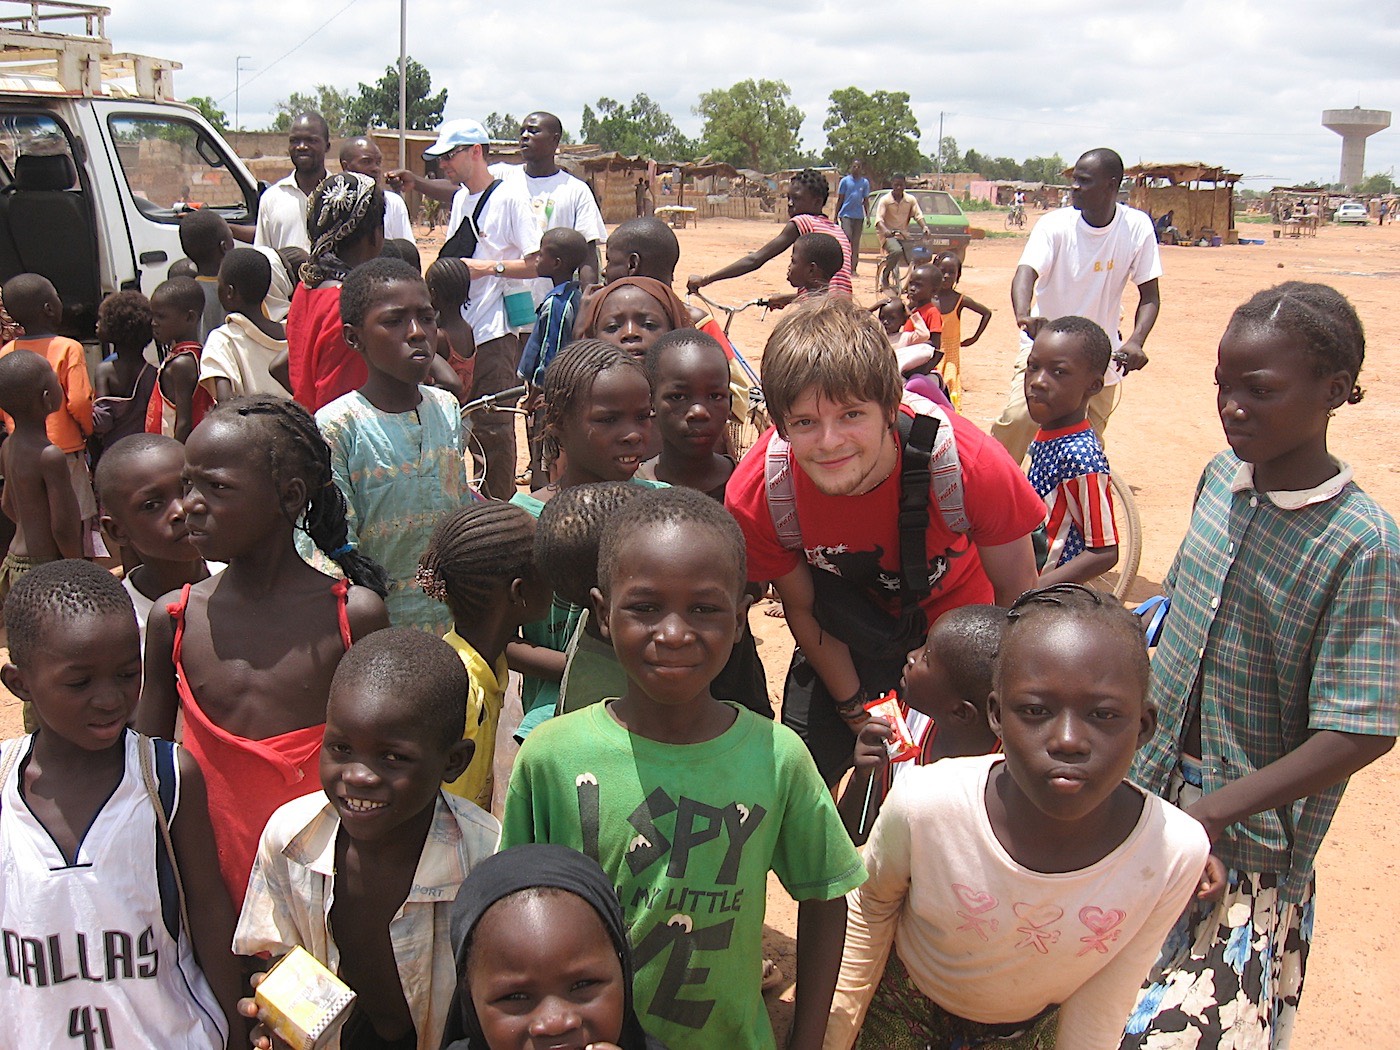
[
  {"x": 239, "y": 352},
  {"x": 108, "y": 948},
  {"x": 206, "y": 239},
  {"x": 178, "y": 402},
  {"x": 688, "y": 802},
  {"x": 363, "y": 873},
  {"x": 38, "y": 493},
  {"x": 943, "y": 698},
  {"x": 816, "y": 259},
  {"x": 139, "y": 488},
  {"x": 1068, "y": 467},
  {"x": 34, "y": 304}
]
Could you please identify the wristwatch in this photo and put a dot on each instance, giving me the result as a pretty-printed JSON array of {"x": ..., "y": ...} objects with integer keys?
[{"x": 500, "y": 269}]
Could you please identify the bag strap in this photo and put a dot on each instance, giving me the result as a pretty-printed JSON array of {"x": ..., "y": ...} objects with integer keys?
[
  {"x": 918, "y": 436},
  {"x": 9, "y": 759},
  {"x": 481, "y": 203},
  {"x": 781, "y": 492},
  {"x": 162, "y": 796}
]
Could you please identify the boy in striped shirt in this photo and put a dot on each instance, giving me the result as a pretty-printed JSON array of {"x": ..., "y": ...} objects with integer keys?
[{"x": 1068, "y": 466}]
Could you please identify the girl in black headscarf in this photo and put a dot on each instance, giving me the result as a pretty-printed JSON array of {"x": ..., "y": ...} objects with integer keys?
[{"x": 542, "y": 953}]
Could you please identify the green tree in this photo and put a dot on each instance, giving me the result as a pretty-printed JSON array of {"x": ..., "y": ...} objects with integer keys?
[
  {"x": 1379, "y": 182},
  {"x": 377, "y": 104},
  {"x": 948, "y": 157},
  {"x": 501, "y": 125},
  {"x": 210, "y": 112},
  {"x": 330, "y": 102},
  {"x": 641, "y": 127},
  {"x": 878, "y": 128},
  {"x": 1044, "y": 169},
  {"x": 751, "y": 124},
  {"x": 973, "y": 161},
  {"x": 995, "y": 168}
]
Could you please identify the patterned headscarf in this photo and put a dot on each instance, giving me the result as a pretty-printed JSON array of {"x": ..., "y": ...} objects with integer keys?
[{"x": 340, "y": 210}]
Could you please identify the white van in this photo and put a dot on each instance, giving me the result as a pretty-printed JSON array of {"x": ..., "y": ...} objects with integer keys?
[{"x": 98, "y": 161}]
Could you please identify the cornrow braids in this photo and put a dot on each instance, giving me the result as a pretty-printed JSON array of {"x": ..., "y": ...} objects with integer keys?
[
  {"x": 58, "y": 590},
  {"x": 570, "y": 530},
  {"x": 472, "y": 552},
  {"x": 449, "y": 281},
  {"x": 569, "y": 381},
  {"x": 296, "y": 450},
  {"x": 1319, "y": 315}
]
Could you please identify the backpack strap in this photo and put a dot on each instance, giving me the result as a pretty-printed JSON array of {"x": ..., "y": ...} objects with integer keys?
[
  {"x": 918, "y": 436},
  {"x": 9, "y": 758},
  {"x": 781, "y": 492},
  {"x": 159, "y": 775}
]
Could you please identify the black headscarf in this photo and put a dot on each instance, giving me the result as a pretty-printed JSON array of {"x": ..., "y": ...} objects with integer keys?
[{"x": 522, "y": 868}]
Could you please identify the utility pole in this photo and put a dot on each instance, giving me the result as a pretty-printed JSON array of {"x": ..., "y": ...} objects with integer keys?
[
  {"x": 237, "y": 74},
  {"x": 939, "y": 159},
  {"x": 403, "y": 83}
]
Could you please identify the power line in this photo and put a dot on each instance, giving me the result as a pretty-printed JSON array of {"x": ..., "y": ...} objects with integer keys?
[{"x": 296, "y": 48}]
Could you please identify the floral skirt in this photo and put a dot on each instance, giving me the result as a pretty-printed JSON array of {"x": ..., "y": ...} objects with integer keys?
[
  {"x": 1230, "y": 973},
  {"x": 903, "y": 1018}
]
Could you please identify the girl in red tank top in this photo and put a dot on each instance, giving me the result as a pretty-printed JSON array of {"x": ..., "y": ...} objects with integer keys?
[{"x": 247, "y": 656}]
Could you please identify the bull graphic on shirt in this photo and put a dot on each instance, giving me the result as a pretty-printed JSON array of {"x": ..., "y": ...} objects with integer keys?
[{"x": 863, "y": 569}]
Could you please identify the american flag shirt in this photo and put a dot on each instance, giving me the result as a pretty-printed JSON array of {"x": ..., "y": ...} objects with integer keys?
[{"x": 1070, "y": 472}]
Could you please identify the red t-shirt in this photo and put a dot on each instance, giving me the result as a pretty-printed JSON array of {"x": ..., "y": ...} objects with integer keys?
[
  {"x": 929, "y": 315},
  {"x": 857, "y": 537},
  {"x": 321, "y": 366}
]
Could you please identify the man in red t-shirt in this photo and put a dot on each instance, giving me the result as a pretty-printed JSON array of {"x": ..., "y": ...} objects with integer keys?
[{"x": 833, "y": 388}]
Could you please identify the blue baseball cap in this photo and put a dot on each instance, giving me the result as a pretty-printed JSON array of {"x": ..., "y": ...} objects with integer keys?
[{"x": 457, "y": 133}]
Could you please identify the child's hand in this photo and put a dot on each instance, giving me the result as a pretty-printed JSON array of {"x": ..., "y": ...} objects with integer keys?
[
  {"x": 777, "y": 302},
  {"x": 261, "y": 1036},
  {"x": 1212, "y": 885},
  {"x": 871, "y": 753}
]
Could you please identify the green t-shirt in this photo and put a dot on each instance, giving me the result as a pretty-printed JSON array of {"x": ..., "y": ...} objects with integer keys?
[
  {"x": 592, "y": 670},
  {"x": 688, "y": 833}
]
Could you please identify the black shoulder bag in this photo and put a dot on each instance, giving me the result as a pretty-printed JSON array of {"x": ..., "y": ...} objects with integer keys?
[{"x": 462, "y": 243}]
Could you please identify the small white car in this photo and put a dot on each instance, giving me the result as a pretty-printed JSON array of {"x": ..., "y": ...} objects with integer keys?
[{"x": 1352, "y": 211}]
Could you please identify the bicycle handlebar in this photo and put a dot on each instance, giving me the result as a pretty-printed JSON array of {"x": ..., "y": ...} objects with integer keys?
[
  {"x": 731, "y": 310},
  {"x": 494, "y": 402}
]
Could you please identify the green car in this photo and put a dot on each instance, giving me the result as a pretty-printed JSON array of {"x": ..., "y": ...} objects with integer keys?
[{"x": 947, "y": 224}]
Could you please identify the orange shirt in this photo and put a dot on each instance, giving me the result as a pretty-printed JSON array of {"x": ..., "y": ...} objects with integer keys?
[{"x": 68, "y": 427}]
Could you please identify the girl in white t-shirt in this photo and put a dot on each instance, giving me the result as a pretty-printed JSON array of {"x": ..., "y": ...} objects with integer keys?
[{"x": 1025, "y": 894}]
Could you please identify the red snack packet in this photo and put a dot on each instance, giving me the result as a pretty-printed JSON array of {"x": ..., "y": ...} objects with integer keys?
[{"x": 900, "y": 745}]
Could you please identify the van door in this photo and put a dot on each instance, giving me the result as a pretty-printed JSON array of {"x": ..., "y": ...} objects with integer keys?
[{"x": 168, "y": 162}]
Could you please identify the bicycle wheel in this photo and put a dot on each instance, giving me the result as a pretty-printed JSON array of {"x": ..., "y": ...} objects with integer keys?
[
  {"x": 1120, "y": 579},
  {"x": 743, "y": 435}
]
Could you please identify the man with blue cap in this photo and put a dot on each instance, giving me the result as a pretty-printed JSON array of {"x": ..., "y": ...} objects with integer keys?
[{"x": 492, "y": 227}]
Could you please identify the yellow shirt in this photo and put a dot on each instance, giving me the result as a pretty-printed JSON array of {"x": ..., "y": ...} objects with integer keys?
[{"x": 486, "y": 690}]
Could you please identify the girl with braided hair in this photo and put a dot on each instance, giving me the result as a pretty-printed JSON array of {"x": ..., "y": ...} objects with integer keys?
[
  {"x": 807, "y": 193},
  {"x": 480, "y": 564},
  {"x": 247, "y": 656},
  {"x": 598, "y": 424},
  {"x": 345, "y": 221}
]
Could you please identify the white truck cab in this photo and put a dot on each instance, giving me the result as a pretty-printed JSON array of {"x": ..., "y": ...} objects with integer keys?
[{"x": 98, "y": 161}]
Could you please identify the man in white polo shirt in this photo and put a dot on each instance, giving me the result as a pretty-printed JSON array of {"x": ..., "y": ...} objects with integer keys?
[
  {"x": 1077, "y": 262},
  {"x": 556, "y": 197},
  {"x": 363, "y": 156},
  {"x": 493, "y": 227},
  {"x": 282, "y": 210}
]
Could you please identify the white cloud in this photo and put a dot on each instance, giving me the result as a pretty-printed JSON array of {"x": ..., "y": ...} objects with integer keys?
[{"x": 1235, "y": 82}]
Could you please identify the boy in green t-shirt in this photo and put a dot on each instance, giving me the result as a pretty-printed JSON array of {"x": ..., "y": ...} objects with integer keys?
[{"x": 686, "y": 801}]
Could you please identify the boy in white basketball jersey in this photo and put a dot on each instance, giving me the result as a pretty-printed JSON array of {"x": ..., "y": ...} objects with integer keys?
[{"x": 103, "y": 948}]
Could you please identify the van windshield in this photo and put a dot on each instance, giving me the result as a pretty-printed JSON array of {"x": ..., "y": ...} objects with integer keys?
[{"x": 172, "y": 166}]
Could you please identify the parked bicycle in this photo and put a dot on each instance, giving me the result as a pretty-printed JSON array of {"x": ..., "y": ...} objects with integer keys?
[
  {"x": 746, "y": 422},
  {"x": 507, "y": 400}
]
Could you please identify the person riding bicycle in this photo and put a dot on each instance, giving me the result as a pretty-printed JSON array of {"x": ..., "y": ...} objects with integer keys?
[{"x": 892, "y": 218}]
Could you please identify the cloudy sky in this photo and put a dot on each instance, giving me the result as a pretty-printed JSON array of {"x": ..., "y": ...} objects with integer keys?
[{"x": 1235, "y": 82}]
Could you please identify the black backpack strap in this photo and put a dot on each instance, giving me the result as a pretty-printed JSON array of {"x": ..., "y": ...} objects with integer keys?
[
  {"x": 918, "y": 436},
  {"x": 462, "y": 243},
  {"x": 481, "y": 204}
]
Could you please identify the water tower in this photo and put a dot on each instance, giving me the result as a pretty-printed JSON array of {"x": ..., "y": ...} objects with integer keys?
[{"x": 1355, "y": 125}]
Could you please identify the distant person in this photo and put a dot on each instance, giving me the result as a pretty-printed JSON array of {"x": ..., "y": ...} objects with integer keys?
[
  {"x": 807, "y": 195},
  {"x": 122, "y": 384},
  {"x": 853, "y": 208},
  {"x": 493, "y": 228},
  {"x": 361, "y": 155},
  {"x": 206, "y": 238},
  {"x": 557, "y": 198},
  {"x": 282, "y": 210},
  {"x": 563, "y": 252},
  {"x": 177, "y": 402},
  {"x": 951, "y": 303},
  {"x": 1078, "y": 261},
  {"x": 892, "y": 218}
]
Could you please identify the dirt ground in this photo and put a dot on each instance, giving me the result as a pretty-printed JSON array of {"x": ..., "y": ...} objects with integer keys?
[{"x": 1161, "y": 436}]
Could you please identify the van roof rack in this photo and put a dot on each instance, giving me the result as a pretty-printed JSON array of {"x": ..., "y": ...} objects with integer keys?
[{"x": 36, "y": 54}]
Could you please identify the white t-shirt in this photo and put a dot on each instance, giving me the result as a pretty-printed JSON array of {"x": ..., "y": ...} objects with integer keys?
[
  {"x": 995, "y": 942},
  {"x": 558, "y": 200},
  {"x": 282, "y": 216},
  {"x": 279, "y": 292},
  {"x": 1083, "y": 269},
  {"x": 397, "y": 225},
  {"x": 241, "y": 353},
  {"x": 507, "y": 230}
]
